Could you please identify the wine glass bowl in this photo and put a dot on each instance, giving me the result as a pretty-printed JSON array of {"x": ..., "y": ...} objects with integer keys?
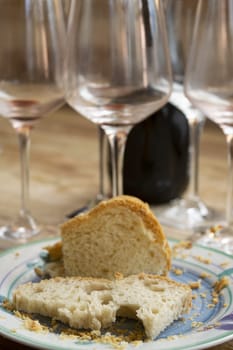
[
  {"x": 189, "y": 212},
  {"x": 209, "y": 87},
  {"x": 31, "y": 84},
  {"x": 118, "y": 68}
]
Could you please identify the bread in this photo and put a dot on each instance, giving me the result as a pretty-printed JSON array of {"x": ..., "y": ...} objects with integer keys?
[
  {"x": 118, "y": 235},
  {"x": 91, "y": 303}
]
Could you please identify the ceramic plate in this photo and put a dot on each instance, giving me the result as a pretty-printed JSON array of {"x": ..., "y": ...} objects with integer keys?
[{"x": 207, "y": 324}]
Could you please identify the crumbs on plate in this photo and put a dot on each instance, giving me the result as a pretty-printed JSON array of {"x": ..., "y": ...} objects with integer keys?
[
  {"x": 203, "y": 260},
  {"x": 115, "y": 335},
  {"x": 177, "y": 271},
  {"x": 220, "y": 284},
  {"x": 180, "y": 247},
  {"x": 204, "y": 275},
  {"x": 195, "y": 284}
]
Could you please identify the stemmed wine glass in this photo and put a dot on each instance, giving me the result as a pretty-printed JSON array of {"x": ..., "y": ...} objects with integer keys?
[
  {"x": 31, "y": 84},
  {"x": 209, "y": 87},
  {"x": 118, "y": 68},
  {"x": 189, "y": 212}
]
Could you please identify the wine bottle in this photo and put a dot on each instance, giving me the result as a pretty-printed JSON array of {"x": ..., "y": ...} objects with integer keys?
[{"x": 156, "y": 157}]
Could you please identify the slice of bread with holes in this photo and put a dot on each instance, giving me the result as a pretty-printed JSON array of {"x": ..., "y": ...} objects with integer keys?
[
  {"x": 92, "y": 303},
  {"x": 118, "y": 235}
]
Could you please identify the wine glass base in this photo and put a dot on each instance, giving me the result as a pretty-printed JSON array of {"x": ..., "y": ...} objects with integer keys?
[
  {"x": 218, "y": 237},
  {"x": 11, "y": 235},
  {"x": 187, "y": 215},
  {"x": 17, "y": 233}
]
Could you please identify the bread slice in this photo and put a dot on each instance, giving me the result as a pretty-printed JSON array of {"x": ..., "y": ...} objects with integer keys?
[
  {"x": 92, "y": 303},
  {"x": 118, "y": 235}
]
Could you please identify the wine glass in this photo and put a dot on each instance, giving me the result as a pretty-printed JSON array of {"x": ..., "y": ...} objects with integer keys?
[
  {"x": 31, "y": 84},
  {"x": 189, "y": 212},
  {"x": 118, "y": 68},
  {"x": 209, "y": 87}
]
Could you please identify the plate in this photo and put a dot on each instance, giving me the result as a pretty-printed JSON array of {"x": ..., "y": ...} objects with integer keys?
[{"x": 206, "y": 325}]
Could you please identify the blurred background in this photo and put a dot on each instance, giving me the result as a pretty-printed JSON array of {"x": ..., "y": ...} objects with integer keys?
[{"x": 68, "y": 178}]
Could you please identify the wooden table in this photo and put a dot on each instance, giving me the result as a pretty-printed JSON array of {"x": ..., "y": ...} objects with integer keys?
[{"x": 64, "y": 172}]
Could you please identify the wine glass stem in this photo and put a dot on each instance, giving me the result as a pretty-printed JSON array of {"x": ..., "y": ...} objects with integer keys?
[
  {"x": 117, "y": 137},
  {"x": 195, "y": 127},
  {"x": 229, "y": 203},
  {"x": 102, "y": 160},
  {"x": 24, "y": 149}
]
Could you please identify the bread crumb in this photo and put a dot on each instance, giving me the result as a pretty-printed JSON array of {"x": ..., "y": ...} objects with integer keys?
[
  {"x": 195, "y": 284},
  {"x": 215, "y": 229},
  {"x": 215, "y": 297},
  {"x": 39, "y": 271},
  {"x": 196, "y": 324},
  {"x": 116, "y": 336},
  {"x": 204, "y": 275},
  {"x": 171, "y": 337},
  {"x": 203, "y": 260},
  {"x": 19, "y": 314},
  {"x": 224, "y": 264},
  {"x": 7, "y": 305},
  {"x": 211, "y": 326},
  {"x": 220, "y": 284},
  {"x": 54, "y": 251},
  {"x": 180, "y": 246},
  {"x": 177, "y": 272},
  {"x": 118, "y": 341},
  {"x": 203, "y": 295},
  {"x": 33, "y": 325},
  {"x": 217, "y": 289},
  {"x": 183, "y": 245}
]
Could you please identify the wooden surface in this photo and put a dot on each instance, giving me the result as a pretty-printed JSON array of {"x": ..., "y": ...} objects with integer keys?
[{"x": 64, "y": 172}]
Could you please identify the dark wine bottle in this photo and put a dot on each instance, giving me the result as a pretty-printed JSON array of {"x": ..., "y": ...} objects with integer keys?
[{"x": 156, "y": 157}]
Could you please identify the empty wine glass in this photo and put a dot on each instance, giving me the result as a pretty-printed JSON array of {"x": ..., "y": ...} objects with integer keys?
[
  {"x": 118, "y": 68},
  {"x": 189, "y": 212},
  {"x": 31, "y": 83},
  {"x": 209, "y": 86}
]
